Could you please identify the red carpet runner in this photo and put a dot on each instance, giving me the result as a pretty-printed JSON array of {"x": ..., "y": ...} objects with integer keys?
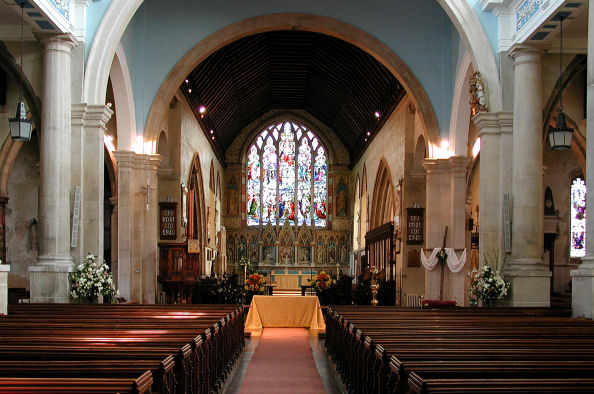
[{"x": 282, "y": 363}]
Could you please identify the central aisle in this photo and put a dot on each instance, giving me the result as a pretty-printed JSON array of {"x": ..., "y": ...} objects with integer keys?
[{"x": 282, "y": 363}]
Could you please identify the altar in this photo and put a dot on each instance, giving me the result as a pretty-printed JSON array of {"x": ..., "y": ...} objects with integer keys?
[{"x": 285, "y": 311}]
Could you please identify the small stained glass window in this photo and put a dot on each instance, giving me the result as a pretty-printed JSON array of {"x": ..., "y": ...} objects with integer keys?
[{"x": 578, "y": 218}]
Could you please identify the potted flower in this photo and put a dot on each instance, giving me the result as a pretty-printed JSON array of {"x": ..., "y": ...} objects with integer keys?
[
  {"x": 91, "y": 281},
  {"x": 487, "y": 286},
  {"x": 325, "y": 286},
  {"x": 254, "y": 284}
]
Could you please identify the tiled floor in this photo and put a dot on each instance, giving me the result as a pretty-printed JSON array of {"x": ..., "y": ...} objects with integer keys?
[{"x": 327, "y": 373}]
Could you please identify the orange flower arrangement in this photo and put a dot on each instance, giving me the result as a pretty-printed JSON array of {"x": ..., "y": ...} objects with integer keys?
[
  {"x": 255, "y": 282},
  {"x": 323, "y": 281}
]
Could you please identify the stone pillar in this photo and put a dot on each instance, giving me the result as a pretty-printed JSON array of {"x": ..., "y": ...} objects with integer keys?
[
  {"x": 529, "y": 276},
  {"x": 114, "y": 237},
  {"x": 88, "y": 128},
  {"x": 4, "y": 269},
  {"x": 3, "y": 201},
  {"x": 137, "y": 226},
  {"x": 582, "y": 288},
  {"x": 495, "y": 171},
  {"x": 446, "y": 199},
  {"x": 49, "y": 278},
  {"x": 93, "y": 165}
]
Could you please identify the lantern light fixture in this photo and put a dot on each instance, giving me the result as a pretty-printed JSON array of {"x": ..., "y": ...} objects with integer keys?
[
  {"x": 20, "y": 126},
  {"x": 560, "y": 136}
]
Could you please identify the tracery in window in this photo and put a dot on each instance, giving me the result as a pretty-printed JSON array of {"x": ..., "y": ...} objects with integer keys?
[
  {"x": 287, "y": 176},
  {"x": 578, "y": 218}
]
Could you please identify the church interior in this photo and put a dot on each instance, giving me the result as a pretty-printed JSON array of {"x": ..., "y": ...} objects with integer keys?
[{"x": 407, "y": 146}]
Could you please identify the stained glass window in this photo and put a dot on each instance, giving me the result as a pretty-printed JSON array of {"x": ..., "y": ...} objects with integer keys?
[
  {"x": 578, "y": 218},
  {"x": 287, "y": 177}
]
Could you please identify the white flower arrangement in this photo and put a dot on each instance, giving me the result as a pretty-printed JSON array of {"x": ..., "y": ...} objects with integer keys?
[
  {"x": 487, "y": 286},
  {"x": 92, "y": 278}
]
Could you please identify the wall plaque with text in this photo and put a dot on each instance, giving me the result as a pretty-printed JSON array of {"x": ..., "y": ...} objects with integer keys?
[
  {"x": 415, "y": 226},
  {"x": 168, "y": 220}
]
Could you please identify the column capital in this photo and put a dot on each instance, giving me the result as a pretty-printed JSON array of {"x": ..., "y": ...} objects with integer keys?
[
  {"x": 127, "y": 158},
  {"x": 494, "y": 122},
  {"x": 452, "y": 164},
  {"x": 58, "y": 42},
  {"x": 522, "y": 53},
  {"x": 99, "y": 114}
]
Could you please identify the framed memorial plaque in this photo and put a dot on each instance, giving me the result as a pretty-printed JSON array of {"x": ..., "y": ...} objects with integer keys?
[
  {"x": 415, "y": 226},
  {"x": 168, "y": 220}
]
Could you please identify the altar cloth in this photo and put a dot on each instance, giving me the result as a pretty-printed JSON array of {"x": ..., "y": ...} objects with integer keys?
[{"x": 285, "y": 311}]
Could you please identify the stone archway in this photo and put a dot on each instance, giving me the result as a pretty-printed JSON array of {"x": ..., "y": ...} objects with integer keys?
[
  {"x": 197, "y": 221},
  {"x": 120, "y": 12},
  {"x": 382, "y": 205}
]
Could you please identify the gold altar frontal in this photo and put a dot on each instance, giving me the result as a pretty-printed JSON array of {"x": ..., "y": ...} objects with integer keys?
[{"x": 285, "y": 311}]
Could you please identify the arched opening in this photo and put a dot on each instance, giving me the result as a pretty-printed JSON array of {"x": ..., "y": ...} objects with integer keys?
[
  {"x": 383, "y": 203},
  {"x": 197, "y": 224},
  {"x": 357, "y": 215}
]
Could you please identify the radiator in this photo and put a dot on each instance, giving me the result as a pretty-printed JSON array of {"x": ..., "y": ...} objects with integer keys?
[{"x": 413, "y": 300}]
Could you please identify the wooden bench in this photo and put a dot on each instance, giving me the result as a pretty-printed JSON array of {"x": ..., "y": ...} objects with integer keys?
[
  {"x": 139, "y": 385},
  {"x": 379, "y": 349},
  {"x": 85, "y": 339}
]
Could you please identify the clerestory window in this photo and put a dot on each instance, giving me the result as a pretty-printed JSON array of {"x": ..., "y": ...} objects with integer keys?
[{"x": 287, "y": 177}]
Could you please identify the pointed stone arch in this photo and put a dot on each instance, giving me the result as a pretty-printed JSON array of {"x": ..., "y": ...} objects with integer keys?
[
  {"x": 364, "y": 204},
  {"x": 197, "y": 208},
  {"x": 357, "y": 213},
  {"x": 383, "y": 202}
]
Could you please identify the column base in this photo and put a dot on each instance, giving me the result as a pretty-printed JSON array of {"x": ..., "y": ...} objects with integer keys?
[
  {"x": 530, "y": 283},
  {"x": 50, "y": 283},
  {"x": 4, "y": 269},
  {"x": 582, "y": 290}
]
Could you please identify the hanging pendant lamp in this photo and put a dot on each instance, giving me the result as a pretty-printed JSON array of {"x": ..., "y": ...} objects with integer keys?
[
  {"x": 560, "y": 136},
  {"x": 20, "y": 126}
]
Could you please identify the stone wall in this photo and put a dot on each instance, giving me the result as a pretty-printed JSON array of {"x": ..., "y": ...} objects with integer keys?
[{"x": 22, "y": 214}]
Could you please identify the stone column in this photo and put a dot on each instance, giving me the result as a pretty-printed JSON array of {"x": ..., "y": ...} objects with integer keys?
[
  {"x": 3, "y": 201},
  {"x": 446, "y": 199},
  {"x": 49, "y": 278},
  {"x": 495, "y": 171},
  {"x": 114, "y": 237},
  {"x": 529, "y": 276},
  {"x": 137, "y": 226},
  {"x": 93, "y": 165},
  {"x": 582, "y": 288},
  {"x": 4, "y": 269}
]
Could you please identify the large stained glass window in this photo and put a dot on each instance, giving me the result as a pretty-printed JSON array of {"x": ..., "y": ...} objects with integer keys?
[
  {"x": 578, "y": 218},
  {"x": 287, "y": 177}
]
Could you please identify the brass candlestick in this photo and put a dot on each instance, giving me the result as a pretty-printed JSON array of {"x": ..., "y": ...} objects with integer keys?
[{"x": 374, "y": 287}]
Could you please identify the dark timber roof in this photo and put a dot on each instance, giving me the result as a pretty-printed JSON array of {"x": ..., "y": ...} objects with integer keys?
[{"x": 336, "y": 82}]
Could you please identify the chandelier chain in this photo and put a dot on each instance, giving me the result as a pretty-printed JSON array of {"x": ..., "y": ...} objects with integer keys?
[{"x": 561, "y": 64}]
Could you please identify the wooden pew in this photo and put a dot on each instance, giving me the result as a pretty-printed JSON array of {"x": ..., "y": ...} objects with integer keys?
[
  {"x": 139, "y": 385},
  {"x": 202, "y": 361},
  {"x": 372, "y": 346}
]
